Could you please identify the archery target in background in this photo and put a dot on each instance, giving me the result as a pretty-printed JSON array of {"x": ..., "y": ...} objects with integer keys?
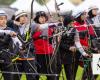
[
  {"x": 96, "y": 64},
  {"x": 76, "y": 2}
]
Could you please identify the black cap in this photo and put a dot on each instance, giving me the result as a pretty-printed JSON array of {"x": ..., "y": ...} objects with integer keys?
[
  {"x": 38, "y": 14},
  {"x": 41, "y": 13},
  {"x": 68, "y": 19}
]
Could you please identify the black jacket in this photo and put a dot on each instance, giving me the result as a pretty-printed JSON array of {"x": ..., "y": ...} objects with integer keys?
[
  {"x": 67, "y": 41},
  {"x": 6, "y": 41},
  {"x": 22, "y": 38}
]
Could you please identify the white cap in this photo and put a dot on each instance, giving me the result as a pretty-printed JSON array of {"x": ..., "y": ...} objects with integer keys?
[
  {"x": 19, "y": 13},
  {"x": 77, "y": 13},
  {"x": 92, "y": 7},
  {"x": 3, "y": 13}
]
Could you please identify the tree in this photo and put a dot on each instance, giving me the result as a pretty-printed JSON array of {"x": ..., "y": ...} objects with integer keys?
[
  {"x": 6, "y": 2},
  {"x": 42, "y": 2}
]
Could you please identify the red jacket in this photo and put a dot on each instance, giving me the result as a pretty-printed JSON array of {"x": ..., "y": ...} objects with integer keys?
[
  {"x": 42, "y": 46},
  {"x": 84, "y": 41}
]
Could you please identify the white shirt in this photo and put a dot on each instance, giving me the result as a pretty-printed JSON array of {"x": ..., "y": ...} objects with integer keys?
[
  {"x": 96, "y": 21},
  {"x": 23, "y": 29}
]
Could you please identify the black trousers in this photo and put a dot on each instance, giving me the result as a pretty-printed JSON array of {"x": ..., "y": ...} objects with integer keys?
[
  {"x": 97, "y": 30},
  {"x": 46, "y": 66},
  {"x": 27, "y": 67},
  {"x": 6, "y": 66},
  {"x": 70, "y": 62}
]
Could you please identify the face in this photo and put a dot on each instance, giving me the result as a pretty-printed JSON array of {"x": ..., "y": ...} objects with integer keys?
[
  {"x": 61, "y": 18},
  {"x": 71, "y": 23},
  {"x": 3, "y": 21},
  {"x": 23, "y": 19},
  {"x": 42, "y": 20},
  {"x": 84, "y": 16},
  {"x": 95, "y": 12}
]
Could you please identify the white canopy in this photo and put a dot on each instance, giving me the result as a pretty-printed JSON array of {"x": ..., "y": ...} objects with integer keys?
[
  {"x": 26, "y": 5},
  {"x": 88, "y": 3}
]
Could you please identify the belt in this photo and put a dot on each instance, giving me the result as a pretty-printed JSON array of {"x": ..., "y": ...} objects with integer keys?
[{"x": 42, "y": 37}]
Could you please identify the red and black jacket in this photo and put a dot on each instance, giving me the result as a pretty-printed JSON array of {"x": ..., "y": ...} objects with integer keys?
[
  {"x": 84, "y": 32},
  {"x": 42, "y": 44}
]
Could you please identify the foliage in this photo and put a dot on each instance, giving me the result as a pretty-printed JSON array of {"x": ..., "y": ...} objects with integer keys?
[
  {"x": 42, "y": 2},
  {"x": 6, "y": 2}
]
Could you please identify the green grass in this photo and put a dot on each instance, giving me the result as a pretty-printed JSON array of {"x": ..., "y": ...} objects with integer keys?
[{"x": 78, "y": 77}]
